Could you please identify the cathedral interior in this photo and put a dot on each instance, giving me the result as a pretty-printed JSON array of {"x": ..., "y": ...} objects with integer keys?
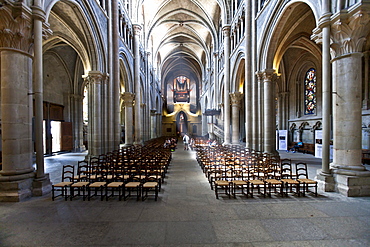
[{"x": 82, "y": 79}]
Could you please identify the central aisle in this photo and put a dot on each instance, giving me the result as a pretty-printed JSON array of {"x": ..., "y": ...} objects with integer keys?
[{"x": 185, "y": 182}]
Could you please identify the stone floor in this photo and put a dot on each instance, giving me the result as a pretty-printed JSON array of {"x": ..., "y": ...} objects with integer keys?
[{"x": 186, "y": 214}]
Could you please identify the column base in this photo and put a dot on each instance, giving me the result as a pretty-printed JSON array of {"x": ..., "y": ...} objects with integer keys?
[
  {"x": 15, "y": 190},
  {"x": 352, "y": 185},
  {"x": 325, "y": 181},
  {"x": 42, "y": 186}
]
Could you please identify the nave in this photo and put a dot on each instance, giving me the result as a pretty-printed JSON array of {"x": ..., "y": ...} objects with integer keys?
[{"x": 186, "y": 214}]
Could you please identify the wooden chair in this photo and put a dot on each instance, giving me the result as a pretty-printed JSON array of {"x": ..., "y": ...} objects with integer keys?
[
  {"x": 81, "y": 181},
  {"x": 302, "y": 177},
  {"x": 223, "y": 182},
  {"x": 240, "y": 183},
  {"x": 67, "y": 180},
  {"x": 150, "y": 186},
  {"x": 287, "y": 177},
  {"x": 256, "y": 178},
  {"x": 112, "y": 187},
  {"x": 97, "y": 181}
]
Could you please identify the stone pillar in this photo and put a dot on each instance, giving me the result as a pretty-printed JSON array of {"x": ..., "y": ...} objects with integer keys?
[
  {"x": 235, "y": 99},
  {"x": 248, "y": 76},
  {"x": 255, "y": 112},
  {"x": 106, "y": 114},
  {"x": 366, "y": 101},
  {"x": 116, "y": 74},
  {"x": 137, "y": 83},
  {"x": 349, "y": 30},
  {"x": 77, "y": 116},
  {"x": 153, "y": 121},
  {"x": 324, "y": 176},
  {"x": 283, "y": 110},
  {"x": 16, "y": 176},
  {"x": 269, "y": 123},
  {"x": 128, "y": 100},
  {"x": 41, "y": 184},
  {"x": 159, "y": 124},
  {"x": 94, "y": 86},
  {"x": 226, "y": 34}
]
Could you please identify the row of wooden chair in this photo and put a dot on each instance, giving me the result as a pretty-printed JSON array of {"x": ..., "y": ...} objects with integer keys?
[
  {"x": 243, "y": 172},
  {"x": 139, "y": 169},
  {"x": 69, "y": 188}
]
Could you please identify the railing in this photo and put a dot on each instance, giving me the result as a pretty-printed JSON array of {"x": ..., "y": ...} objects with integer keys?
[{"x": 213, "y": 129}]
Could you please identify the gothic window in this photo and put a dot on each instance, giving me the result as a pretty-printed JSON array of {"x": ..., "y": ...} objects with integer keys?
[{"x": 310, "y": 92}]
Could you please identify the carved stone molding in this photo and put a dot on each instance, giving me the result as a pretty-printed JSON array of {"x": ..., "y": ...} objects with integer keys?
[
  {"x": 95, "y": 77},
  {"x": 269, "y": 75},
  {"x": 16, "y": 27},
  {"x": 137, "y": 29},
  {"x": 226, "y": 31},
  {"x": 235, "y": 98},
  {"x": 349, "y": 31},
  {"x": 128, "y": 98}
]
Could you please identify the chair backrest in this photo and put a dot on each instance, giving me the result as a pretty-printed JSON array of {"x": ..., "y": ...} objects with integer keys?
[
  {"x": 286, "y": 170},
  {"x": 301, "y": 170},
  {"x": 83, "y": 170},
  {"x": 68, "y": 172}
]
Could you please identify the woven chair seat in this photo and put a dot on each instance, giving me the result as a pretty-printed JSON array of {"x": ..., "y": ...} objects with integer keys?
[
  {"x": 239, "y": 182},
  {"x": 115, "y": 184},
  {"x": 256, "y": 182},
  {"x": 273, "y": 181},
  {"x": 62, "y": 184},
  {"x": 80, "y": 184},
  {"x": 150, "y": 185},
  {"x": 222, "y": 182},
  {"x": 307, "y": 181},
  {"x": 97, "y": 184},
  {"x": 132, "y": 184},
  {"x": 290, "y": 181}
]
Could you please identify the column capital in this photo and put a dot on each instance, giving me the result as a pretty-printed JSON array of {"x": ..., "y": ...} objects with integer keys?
[
  {"x": 349, "y": 32},
  {"x": 269, "y": 75},
  {"x": 137, "y": 29},
  {"x": 76, "y": 96},
  {"x": 16, "y": 27},
  {"x": 95, "y": 77},
  {"x": 38, "y": 13},
  {"x": 128, "y": 98},
  {"x": 235, "y": 98},
  {"x": 226, "y": 30}
]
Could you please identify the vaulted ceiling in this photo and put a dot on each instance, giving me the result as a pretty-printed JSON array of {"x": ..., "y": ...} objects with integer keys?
[{"x": 181, "y": 34}]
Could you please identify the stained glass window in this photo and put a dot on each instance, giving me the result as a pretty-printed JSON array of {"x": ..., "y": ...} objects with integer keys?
[{"x": 310, "y": 92}]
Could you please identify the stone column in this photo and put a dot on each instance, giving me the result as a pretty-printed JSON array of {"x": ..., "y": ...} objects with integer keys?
[
  {"x": 349, "y": 31},
  {"x": 248, "y": 76},
  {"x": 269, "y": 123},
  {"x": 17, "y": 172},
  {"x": 159, "y": 124},
  {"x": 153, "y": 121},
  {"x": 255, "y": 112},
  {"x": 95, "y": 112},
  {"x": 366, "y": 101},
  {"x": 235, "y": 99},
  {"x": 226, "y": 34},
  {"x": 77, "y": 119},
  {"x": 137, "y": 83},
  {"x": 324, "y": 176},
  {"x": 116, "y": 76},
  {"x": 41, "y": 184},
  {"x": 128, "y": 100},
  {"x": 106, "y": 114}
]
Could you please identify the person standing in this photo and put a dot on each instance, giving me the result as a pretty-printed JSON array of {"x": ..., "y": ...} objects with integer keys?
[{"x": 186, "y": 140}]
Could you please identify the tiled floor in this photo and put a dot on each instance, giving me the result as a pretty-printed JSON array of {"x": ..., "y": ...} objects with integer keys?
[{"x": 186, "y": 214}]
